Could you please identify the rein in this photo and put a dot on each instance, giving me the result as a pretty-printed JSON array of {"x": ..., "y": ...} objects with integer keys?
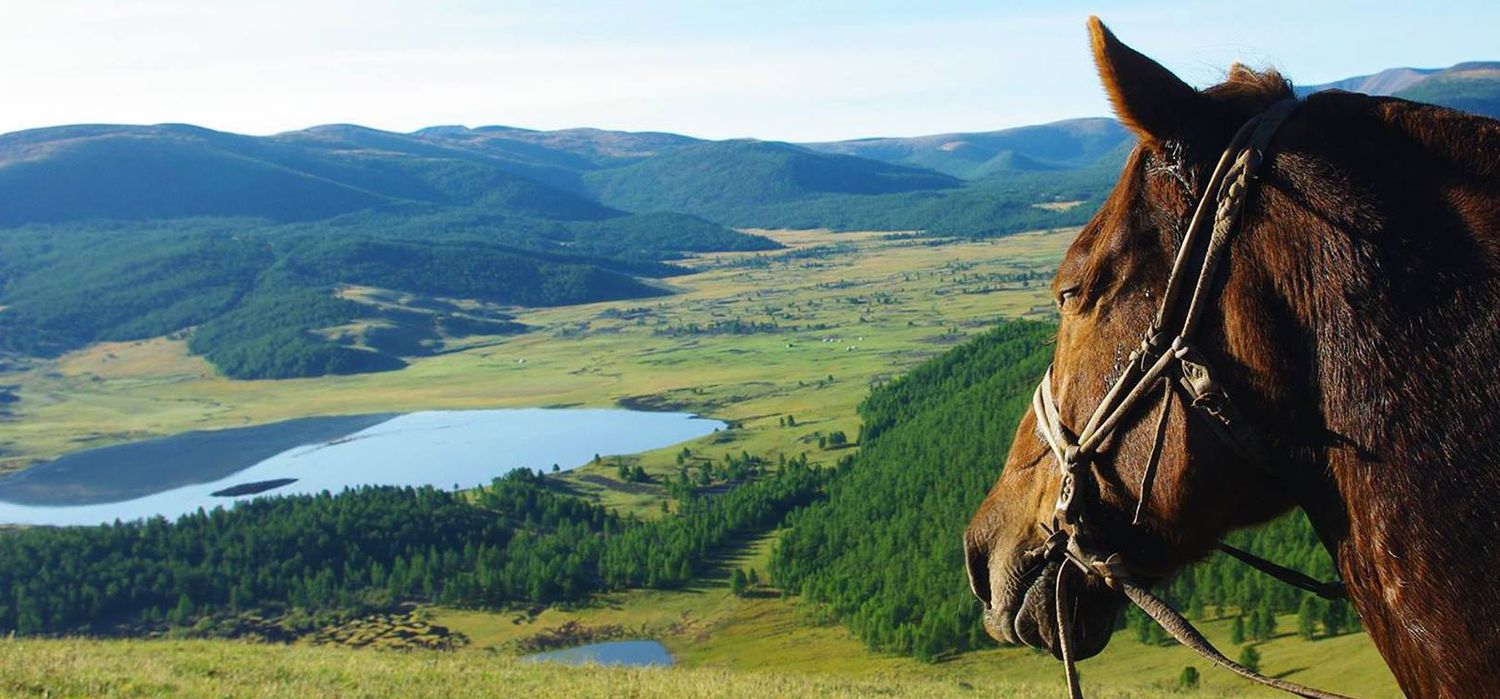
[{"x": 1166, "y": 364}]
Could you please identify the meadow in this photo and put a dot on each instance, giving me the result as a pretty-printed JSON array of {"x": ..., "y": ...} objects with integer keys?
[{"x": 782, "y": 345}]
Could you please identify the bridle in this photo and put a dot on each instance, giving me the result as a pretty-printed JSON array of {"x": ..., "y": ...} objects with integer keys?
[{"x": 1166, "y": 364}]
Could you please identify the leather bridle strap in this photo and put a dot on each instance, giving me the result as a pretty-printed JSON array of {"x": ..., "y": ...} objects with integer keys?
[
  {"x": 1168, "y": 360},
  {"x": 1178, "y": 626},
  {"x": 1159, "y": 351},
  {"x": 1064, "y": 548}
]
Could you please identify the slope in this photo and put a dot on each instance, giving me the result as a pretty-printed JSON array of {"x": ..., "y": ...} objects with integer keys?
[
  {"x": 725, "y": 181},
  {"x": 1057, "y": 146}
]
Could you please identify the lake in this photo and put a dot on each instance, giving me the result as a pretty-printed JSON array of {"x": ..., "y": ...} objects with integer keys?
[
  {"x": 175, "y": 475},
  {"x": 637, "y": 653}
]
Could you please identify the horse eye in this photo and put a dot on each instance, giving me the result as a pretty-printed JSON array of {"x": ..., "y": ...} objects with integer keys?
[{"x": 1066, "y": 294}]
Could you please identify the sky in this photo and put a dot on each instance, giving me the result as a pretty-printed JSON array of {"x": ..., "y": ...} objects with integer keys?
[{"x": 797, "y": 71}]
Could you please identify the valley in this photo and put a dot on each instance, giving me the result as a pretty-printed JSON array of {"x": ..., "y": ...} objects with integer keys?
[
  {"x": 859, "y": 307},
  {"x": 751, "y": 338}
]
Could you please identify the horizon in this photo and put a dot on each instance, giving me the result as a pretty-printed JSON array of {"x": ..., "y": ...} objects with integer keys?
[{"x": 835, "y": 72}]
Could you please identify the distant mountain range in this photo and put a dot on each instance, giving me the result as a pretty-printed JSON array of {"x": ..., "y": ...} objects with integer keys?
[
  {"x": 118, "y": 232},
  {"x": 1394, "y": 81}
]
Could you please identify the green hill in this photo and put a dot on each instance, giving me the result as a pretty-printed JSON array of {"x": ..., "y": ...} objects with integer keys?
[
  {"x": 258, "y": 291},
  {"x": 724, "y": 180},
  {"x": 577, "y": 149},
  {"x": 1060, "y": 145},
  {"x": 171, "y": 171},
  {"x": 1472, "y": 87},
  {"x": 125, "y": 232}
]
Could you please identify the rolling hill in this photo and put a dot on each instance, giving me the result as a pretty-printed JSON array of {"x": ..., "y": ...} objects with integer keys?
[
  {"x": 1057, "y": 146},
  {"x": 77, "y": 173},
  {"x": 727, "y": 180}
]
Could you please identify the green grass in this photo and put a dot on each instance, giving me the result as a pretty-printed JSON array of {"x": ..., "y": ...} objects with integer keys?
[{"x": 78, "y": 668}]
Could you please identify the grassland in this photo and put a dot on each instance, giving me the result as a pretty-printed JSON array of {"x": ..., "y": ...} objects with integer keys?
[
  {"x": 865, "y": 307},
  {"x": 66, "y": 668}
]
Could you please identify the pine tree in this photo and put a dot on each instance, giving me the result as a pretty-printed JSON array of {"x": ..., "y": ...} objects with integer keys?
[
  {"x": 1307, "y": 619},
  {"x": 183, "y": 612},
  {"x": 1188, "y": 679},
  {"x": 1237, "y": 631},
  {"x": 1267, "y": 622},
  {"x": 737, "y": 583},
  {"x": 1333, "y": 618},
  {"x": 1250, "y": 658}
]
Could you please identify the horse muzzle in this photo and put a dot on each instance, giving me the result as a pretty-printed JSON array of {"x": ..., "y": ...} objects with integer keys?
[{"x": 1025, "y": 612}]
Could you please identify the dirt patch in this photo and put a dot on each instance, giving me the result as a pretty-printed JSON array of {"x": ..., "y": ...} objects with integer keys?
[{"x": 631, "y": 488}]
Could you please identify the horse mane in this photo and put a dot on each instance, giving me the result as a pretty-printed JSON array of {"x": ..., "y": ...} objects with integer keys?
[{"x": 1249, "y": 91}]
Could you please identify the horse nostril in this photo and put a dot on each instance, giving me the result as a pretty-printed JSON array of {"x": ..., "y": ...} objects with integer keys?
[{"x": 977, "y": 561}]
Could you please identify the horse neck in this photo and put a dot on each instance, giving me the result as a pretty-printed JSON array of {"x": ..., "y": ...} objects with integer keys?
[{"x": 1396, "y": 280}]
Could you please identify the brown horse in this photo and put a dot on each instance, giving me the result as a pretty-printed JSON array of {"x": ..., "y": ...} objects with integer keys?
[{"x": 1357, "y": 326}]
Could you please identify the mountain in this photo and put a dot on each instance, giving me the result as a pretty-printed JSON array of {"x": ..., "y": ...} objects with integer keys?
[
  {"x": 1057, "y": 146},
  {"x": 1386, "y": 82},
  {"x": 1472, "y": 86},
  {"x": 722, "y": 180},
  {"x": 171, "y": 171},
  {"x": 582, "y": 148}
]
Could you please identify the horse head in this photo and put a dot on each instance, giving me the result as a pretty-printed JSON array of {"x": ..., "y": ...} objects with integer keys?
[{"x": 1108, "y": 289}]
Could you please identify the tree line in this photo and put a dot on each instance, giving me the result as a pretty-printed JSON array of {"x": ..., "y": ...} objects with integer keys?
[{"x": 519, "y": 539}]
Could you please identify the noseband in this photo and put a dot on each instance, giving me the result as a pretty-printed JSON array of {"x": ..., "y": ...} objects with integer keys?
[{"x": 1166, "y": 363}]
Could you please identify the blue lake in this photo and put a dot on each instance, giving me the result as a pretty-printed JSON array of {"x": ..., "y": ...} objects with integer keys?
[
  {"x": 172, "y": 476},
  {"x": 638, "y": 653}
]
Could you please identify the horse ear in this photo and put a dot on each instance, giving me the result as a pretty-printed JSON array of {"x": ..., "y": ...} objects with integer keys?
[{"x": 1147, "y": 98}]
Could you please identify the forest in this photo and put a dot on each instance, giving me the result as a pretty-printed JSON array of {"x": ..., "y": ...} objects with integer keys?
[
  {"x": 255, "y": 290},
  {"x": 933, "y": 443},
  {"x": 520, "y": 539}
]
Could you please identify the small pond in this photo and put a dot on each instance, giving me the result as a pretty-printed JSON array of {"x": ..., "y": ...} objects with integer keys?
[
  {"x": 636, "y": 653},
  {"x": 175, "y": 475}
]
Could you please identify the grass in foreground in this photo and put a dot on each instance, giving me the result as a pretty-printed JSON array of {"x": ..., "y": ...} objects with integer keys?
[{"x": 130, "y": 668}]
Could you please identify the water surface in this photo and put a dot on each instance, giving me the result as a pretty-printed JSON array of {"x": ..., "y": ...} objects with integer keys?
[
  {"x": 444, "y": 449},
  {"x": 636, "y": 653}
]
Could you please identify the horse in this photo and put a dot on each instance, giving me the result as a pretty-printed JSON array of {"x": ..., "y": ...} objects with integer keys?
[{"x": 1355, "y": 323}]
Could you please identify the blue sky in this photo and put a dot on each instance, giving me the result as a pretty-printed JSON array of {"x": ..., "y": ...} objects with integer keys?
[{"x": 775, "y": 70}]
